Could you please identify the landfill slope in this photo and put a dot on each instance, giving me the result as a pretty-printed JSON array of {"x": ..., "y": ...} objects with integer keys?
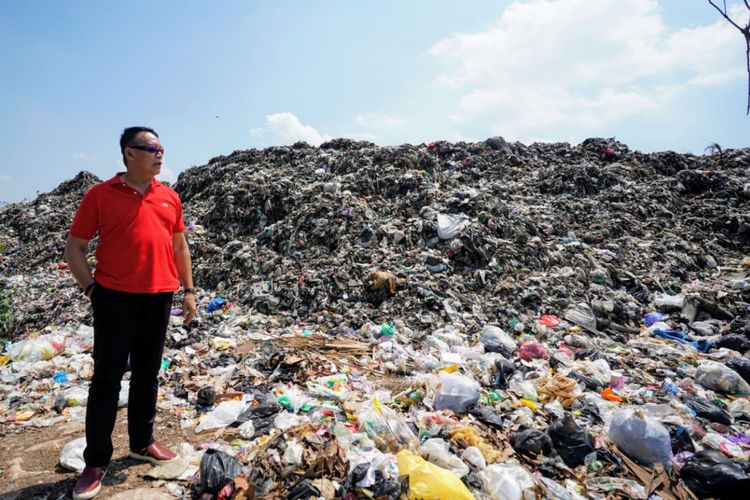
[
  {"x": 298, "y": 230},
  {"x": 474, "y": 320}
]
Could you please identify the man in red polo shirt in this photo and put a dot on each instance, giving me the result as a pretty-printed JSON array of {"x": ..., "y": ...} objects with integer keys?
[{"x": 141, "y": 259}]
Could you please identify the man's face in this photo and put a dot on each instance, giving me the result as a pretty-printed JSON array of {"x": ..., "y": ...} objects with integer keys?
[{"x": 145, "y": 154}]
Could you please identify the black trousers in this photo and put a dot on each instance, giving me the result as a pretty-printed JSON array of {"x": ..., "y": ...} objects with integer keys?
[{"x": 125, "y": 324}]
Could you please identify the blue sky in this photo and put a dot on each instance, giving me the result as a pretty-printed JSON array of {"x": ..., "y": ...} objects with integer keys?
[{"x": 215, "y": 77}]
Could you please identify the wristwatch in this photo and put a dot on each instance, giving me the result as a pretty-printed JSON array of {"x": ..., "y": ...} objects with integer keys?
[{"x": 186, "y": 291}]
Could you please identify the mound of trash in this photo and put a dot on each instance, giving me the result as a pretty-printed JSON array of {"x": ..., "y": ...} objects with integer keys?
[{"x": 488, "y": 320}]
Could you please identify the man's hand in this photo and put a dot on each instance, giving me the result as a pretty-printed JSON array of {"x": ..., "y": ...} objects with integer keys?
[{"x": 188, "y": 308}]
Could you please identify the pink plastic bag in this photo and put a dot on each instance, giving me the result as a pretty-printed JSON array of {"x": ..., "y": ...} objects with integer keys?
[{"x": 531, "y": 349}]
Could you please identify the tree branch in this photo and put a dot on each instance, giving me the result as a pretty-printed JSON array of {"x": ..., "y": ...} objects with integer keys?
[
  {"x": 745, "y": 33},
  {"x": 724, "y": 13}
]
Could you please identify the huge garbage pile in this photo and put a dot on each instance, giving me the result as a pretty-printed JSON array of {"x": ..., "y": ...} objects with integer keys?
[{"x": 487, "y": 320}]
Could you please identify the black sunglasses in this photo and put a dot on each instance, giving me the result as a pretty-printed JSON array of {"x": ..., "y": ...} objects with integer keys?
[{"x": 150, "y": 149}]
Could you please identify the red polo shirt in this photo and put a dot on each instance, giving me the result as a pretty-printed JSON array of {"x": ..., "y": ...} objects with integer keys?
[{"x": 135, "y": 235}]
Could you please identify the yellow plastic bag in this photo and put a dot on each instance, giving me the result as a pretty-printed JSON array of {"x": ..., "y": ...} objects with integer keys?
[{"x": 428, "y": 481}]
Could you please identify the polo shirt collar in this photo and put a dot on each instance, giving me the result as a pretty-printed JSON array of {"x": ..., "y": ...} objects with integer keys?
[{"x": 115, "y": 181}]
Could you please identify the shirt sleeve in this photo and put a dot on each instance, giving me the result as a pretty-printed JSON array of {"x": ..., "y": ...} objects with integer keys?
[
  {"x": 179, "y": 225},
  {"x": 86, "y": 220}
]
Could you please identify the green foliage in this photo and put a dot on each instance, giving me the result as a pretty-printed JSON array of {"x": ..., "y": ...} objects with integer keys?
[{"x": 6, "y": 314}]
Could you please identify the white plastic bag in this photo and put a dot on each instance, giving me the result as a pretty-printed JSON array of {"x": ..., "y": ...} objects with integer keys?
[
  {"x": 456, "y": 392},
  {"x": 71, "y": 456},
  {"x": 223, "y": 415},
  {"x": 436, "y": 451},
  {"x": 40, "y": 348},
  {"x": 73, "y": 396},
  {"x": 719, "y": 377},
  {"x": 507, "y": 482},
  {"x": 246, "y": 430},
  {"x": 450, "y": 225},
  {"x": 641, "y": 437},
  {"x": 669, "y": 301},
  {"x": 474, "y": 456},
  {"x": 495, "y": 339}
]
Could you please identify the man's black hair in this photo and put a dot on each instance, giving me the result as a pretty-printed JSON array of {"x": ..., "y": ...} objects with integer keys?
[{"x": 126, "y": 139}]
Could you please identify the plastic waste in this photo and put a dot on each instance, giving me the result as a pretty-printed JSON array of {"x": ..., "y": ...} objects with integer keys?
[
  {"x": 437, "y": 452},
  {"x": 217, "y": 469},
  {"x": 206, "y": 396},
  {"x": 40, "y": 348},
  {"x": 681, "y": 337},
  {"x": 733, "y": 341},
  {"x": 456, "y": 392},
  {"x": 741, "y": 366},
  {"x": 246, "y": 430},
  {"x": 215, "y": 304},
  {"x": 73, "y": 396},
  {"x": 502, "y": 373},
  {"x": 610, "y": 395},
  {"x": 496, "y": 339},
  {"x": 704, "y": 408},
  {"x": 653, "y": 317},
  {"x": 708, "y": 473},
  {"x": 427, "y": 481},
  {"x": 451, "y": 225},
  {"x": 642, "y": 438},
  {"x": 725, "y": 445},
  {"x": 582, "y": 315},
  {"x": 571, "y": 441},
  {"x": 293, "y": 454},
  {"x": 718, "y": 377},
  {"x": 681, "y": 440},
  {"x": 608, "y": 485},
  {"x": 668, "y": 302},
  {"x": 222, "y": 415},
  {"x": 474, "y": 456},
  {"x": 71, "y": 456},
  {"x": 532, "y": 349},
  {"x": 261, "y": 415},
  {"x": 385, "y": 427},
  {"x": 507, "y": 482},
  {"x": 531, "y": 442}
]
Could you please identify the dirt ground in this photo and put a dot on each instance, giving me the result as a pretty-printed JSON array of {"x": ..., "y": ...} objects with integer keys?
[{"x": 29, "y": 460}]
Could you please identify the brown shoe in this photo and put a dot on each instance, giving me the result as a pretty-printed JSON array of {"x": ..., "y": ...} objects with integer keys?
[
  {"x": 156, "y": 453},
  {"x": 89, "y": 484}
]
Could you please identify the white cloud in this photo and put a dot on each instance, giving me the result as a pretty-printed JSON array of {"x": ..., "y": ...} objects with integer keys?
[
  {"x": 547, "y": 63},
  {"x": 375, "y": 120},
  {"x": 286, "y": 128},
  {"x": 5, "y": 178}
]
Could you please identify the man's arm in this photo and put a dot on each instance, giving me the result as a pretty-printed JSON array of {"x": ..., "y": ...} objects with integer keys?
[
  {"x": 75, "y": 256},
  {"x": 185, "y": 271}
]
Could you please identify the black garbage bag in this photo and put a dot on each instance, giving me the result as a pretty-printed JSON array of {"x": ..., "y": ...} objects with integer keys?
[
  {"x": 487, "y": 415},
  {"x": 708, "y": 473},
  {"x": 504, "y": 369},
  {"x": 741, "y": 366},
  {"x": 206, "y": 396},
  {"x": 390, "y": 489},
  {"x": 303, "y": 491},
  {"x": 591, "y": 383},
  {"x": 734, "y": 341},
  {"x": 589, "y": 412},
  {"x": 356, "y": 475},
  {"x": 262, "y": 415},
  {"x": 531, "y": 442},
  {"x": 708, "y": 410},
  {"x": 217, "y": 470},
  {"x": 571, "y": 441},
  {"x": 681, "y": 440}
]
